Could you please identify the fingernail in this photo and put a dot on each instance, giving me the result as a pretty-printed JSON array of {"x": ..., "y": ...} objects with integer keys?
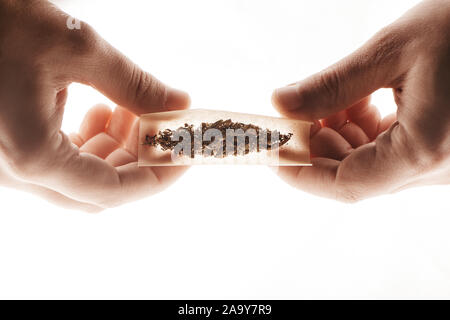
[
  {"x": 286, "y": 97},
  {"x": 176, "y": 99}
]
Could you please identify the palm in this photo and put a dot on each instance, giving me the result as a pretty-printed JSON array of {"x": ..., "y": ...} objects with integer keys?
[
  {"x": 112, "y": 138},
  {"x": 334, "y": 139}
]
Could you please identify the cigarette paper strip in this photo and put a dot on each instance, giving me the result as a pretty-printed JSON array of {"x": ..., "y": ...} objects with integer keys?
[{"x": 206, "y": 137}]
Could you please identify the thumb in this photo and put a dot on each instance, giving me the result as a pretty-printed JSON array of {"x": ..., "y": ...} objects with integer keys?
[
  {"x": 377, "y": 64},
  {"x": 103, "y": 67}
]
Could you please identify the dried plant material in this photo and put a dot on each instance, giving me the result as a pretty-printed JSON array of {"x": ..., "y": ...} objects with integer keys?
[
  {"x": 257, "y": 139},
  {"x": 218, "y": 137}
]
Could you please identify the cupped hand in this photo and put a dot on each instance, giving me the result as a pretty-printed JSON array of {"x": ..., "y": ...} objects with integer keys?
[
  {"x": 39, "y": 57},
  {"x": 355, "y": 153}
]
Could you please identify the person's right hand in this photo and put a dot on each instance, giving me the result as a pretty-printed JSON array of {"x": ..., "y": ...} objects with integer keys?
[
  {"x": 39, "y": 57},
  {"x": 356, "y": 154}
]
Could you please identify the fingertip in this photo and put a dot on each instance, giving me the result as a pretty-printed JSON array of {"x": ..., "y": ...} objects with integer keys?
[
  {"x": 99, "y": 112},
  {"x": 315, "y": 127},
  {"x": 100, "y": 145},
  {"x": 336, "y": 121},
  {"x": 354, "y": 135},
  {"x": 366, "y": 116},
  {"x": 122, "y": 110},
  {"x": 100, "y": 108},
  {"x": 327, "y": 143},
  {"x": 387, "y": 122},
  {"x": 120, "y": 124},
  {"x": 291, "y": 101},
  {"x": 286, "y": 98},
  {"x": 177, "y": 99},
  {"x": 95, "y": 121}
]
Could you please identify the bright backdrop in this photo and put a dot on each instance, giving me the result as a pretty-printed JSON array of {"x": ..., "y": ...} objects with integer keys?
[{"x": 266, "y": 240}]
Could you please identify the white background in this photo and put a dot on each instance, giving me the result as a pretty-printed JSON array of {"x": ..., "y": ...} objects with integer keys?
[{"x": 229, "y": 232}]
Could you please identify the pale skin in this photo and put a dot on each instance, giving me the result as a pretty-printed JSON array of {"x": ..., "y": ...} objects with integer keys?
[
  {"x": 95, "y": 168},
  {"x": 356, "y": 153}
]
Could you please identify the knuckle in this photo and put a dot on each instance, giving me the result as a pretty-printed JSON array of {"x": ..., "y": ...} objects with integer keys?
[
  {"x": 82, "y": 40},
  {"x": 382, "y": 43},
  {"x": 387, "y": 46}
]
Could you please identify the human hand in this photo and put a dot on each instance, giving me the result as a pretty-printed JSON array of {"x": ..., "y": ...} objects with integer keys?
[
  {"x": 39, "y": 58},
  {"x": 355, "y": 153}
]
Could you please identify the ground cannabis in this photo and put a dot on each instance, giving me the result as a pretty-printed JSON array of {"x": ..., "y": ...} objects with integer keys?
[{"x": 247, "y": 138}]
